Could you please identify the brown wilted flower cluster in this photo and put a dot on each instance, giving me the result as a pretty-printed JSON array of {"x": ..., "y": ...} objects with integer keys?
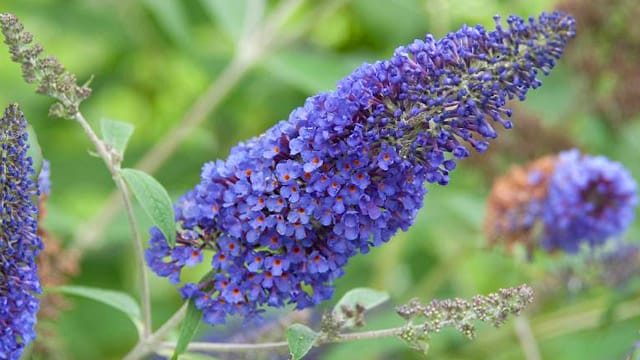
[
  {"x": 607, "y": 53},
  {"x": 515, "y": 200},
  {"x": 55, "y": 266}
]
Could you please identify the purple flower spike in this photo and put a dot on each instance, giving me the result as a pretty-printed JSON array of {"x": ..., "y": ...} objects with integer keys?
[
  {"x": 19, "y": 242},
  {"x": 347, "y": 170}
]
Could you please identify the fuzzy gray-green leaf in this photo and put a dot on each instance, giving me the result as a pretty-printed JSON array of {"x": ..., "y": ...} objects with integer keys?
[
  {"x": 115, "y": 299},
  {"x": 155, "y": 201},
  {"x": 116, "y": 134},
  {"x": 363, "y": 297},
  {"x": 300, "y": 339}
]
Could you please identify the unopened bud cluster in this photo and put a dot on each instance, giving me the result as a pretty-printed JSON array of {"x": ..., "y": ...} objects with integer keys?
[
  {"x": 347, "y": 316},
  {"x": 46, "y": 71},
  {"x": 423, "y": 320}
]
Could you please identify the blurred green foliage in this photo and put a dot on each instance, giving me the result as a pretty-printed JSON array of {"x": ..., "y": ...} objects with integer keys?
[{"x": 152, "y": 59}]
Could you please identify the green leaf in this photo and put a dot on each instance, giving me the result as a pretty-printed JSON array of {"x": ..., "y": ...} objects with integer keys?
[
  {"x": 155, "y": 201},
  {"x": 365, "y": 297},
  {"x": 301, "y": 340},
  {"x": 188, "y": 329},
  {"x": 116, "y": 299},
  {"x": 230, "y": 15},
  {"x": 34, "y": 151},
  {"x": 310, "y": 71},
  {"x": 116, "y": 134}
]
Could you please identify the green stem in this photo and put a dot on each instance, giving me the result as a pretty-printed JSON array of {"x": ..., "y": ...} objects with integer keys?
[
  {"x": 145, "y": 292},
  {"x": 247, "y": 347},
  {"x": 114, "y": 168},
  {"x": 147, "y": 345},
  {"x": 558, "y": 325},
  {"x": 527, "y": 340}
]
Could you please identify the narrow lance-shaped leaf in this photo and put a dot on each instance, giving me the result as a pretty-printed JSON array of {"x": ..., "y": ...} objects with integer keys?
[
  {"x": 300, "y": 339},
  {"x": 116, "y": 299},
  {"x": 116, "y": 134},
  {"x": 188, "y": 329},
  {"x": 155, "y": 201}
]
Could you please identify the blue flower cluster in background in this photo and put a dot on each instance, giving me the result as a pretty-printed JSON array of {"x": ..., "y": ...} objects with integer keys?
[
  {"x": 590, "y": 199},
  {"x": 44, "y": 179},
  {"x": 577, "y": 200},
  {"x": 286, "y": 210},
  {"x": 19, "y": 242}
]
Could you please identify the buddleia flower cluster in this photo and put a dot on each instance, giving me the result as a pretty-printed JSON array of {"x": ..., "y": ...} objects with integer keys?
[
  {"x": 575, "y": 199},
  {"x": 286, "y": 210},
  {"x": 19, "y": 241}
]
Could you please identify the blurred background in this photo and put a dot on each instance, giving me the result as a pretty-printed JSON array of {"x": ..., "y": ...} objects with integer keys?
[{"x": 195, "y": 77}]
